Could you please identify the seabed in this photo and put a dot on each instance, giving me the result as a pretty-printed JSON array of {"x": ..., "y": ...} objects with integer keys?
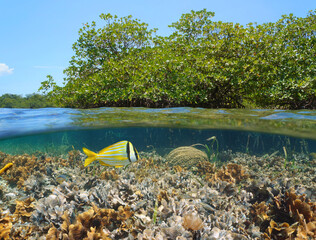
[{"x": 178, "y": 196}]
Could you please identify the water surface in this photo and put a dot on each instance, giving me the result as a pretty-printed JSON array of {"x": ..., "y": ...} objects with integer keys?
[
  {"x": 58, "y": 130},
  {"x": 299, "y": 123}
]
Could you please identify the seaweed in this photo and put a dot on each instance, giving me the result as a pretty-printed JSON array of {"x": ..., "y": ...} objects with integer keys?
[{"x": 212, "y": 154}]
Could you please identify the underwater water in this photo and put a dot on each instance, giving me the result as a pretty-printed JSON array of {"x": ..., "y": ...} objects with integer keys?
[{"x": 253, "y": 160}]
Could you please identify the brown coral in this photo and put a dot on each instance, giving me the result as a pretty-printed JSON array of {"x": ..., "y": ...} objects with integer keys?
[
  {"x": 297, "y": 205},
  {"x": 24, "y": 209},
  {"x": 231, "y": 173},
  {"x": 205, "y": 168},
  {"x": 90, "y": 224},
  {"x": 192, "y": 222},
  {"x": 22, "y": 213},
  {"x": 52, "y": 234},
  {"x": 186, "y": 157},
  {"x": 259, "y": 212},
  {"x": 5, "y": 227},
  {"x": 162, "y": 195},
  {"x": 279, "y": 231},
  {"x": 305, "y": 230},
  {"x": 93, "y": 235},
  {"x": 25, "y": 165},
  {"x": 21, "y": 233},
  {"x": 290, "y": 217},
  {"x": 235, "y": 171},
  {"x": 109, "y": 175}
]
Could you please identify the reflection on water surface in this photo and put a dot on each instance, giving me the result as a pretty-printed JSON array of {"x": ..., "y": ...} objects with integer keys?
[{"x": 27, "y": 121}]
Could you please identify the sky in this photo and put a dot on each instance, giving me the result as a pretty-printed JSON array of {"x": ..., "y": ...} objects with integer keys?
[{"x": 36, "y": 36}]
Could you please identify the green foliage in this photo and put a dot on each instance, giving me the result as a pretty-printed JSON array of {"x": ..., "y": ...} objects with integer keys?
[
  {"x": 30, "y": 101},
  {"x": 202, "y": 63}
]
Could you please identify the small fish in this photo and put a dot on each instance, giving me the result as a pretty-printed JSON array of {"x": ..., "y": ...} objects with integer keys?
[
  {"x": 117, "y": 155},
  {"x": 62, "y": 177}
]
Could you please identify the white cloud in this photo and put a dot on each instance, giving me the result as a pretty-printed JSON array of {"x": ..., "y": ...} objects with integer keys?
[{"x": 4, "y": 69}]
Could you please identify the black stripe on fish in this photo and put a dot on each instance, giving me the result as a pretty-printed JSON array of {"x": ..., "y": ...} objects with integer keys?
[
  {"x": 136, "y": 154},
  {"x": 128, "y": 152}
]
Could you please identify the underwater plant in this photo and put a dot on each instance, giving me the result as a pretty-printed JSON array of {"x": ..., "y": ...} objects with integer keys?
[
  {"x": 287, "y": 160},
  {"x": 247, "y": 145},
  {"x": 285, "y": 157},
  {"x": 155, "y": 212},
  {"x": 212, "y": 154}
]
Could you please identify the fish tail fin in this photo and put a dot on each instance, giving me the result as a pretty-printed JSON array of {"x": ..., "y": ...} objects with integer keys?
[{"x": 91, "y": 156}]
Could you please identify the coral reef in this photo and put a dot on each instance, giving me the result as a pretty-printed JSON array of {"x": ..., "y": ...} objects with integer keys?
[
  {"x": 232, "y": 173},
  {"x": 27, "y": 165},
  {"x": 5, "y": 226},
  {"x": 24, "y": 166},
  {"x": 290, "y": 216},
  {"x": 17, "y": 226},
  {"x": 259, "y": 212},
  {"x": 205, "y": 168},
  {"x": 24, "y": 209},
  {"x": 90, "y": 224},
  {"x": 246, "y": 198},
  {"x": 109, "y": 175}
]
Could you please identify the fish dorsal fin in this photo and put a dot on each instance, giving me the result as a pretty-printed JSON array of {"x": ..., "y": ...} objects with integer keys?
[{"x": 119, "y": 145}]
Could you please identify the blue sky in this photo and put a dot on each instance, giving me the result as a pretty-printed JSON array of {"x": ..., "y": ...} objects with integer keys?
[{"x": 36, "y": 36}]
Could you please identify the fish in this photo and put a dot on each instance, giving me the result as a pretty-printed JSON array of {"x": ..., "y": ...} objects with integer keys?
[
  {"x": 116, "y": 155},
  {"x": 62, "y": 177}
]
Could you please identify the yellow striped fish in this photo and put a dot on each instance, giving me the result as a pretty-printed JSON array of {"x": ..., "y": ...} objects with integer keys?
[{"x": 117, "y": 155}]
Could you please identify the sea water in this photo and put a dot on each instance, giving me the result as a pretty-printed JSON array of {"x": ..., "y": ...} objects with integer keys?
[
  {"x": 57, "y": 130},
  {"x": 260, "y": 164}
]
